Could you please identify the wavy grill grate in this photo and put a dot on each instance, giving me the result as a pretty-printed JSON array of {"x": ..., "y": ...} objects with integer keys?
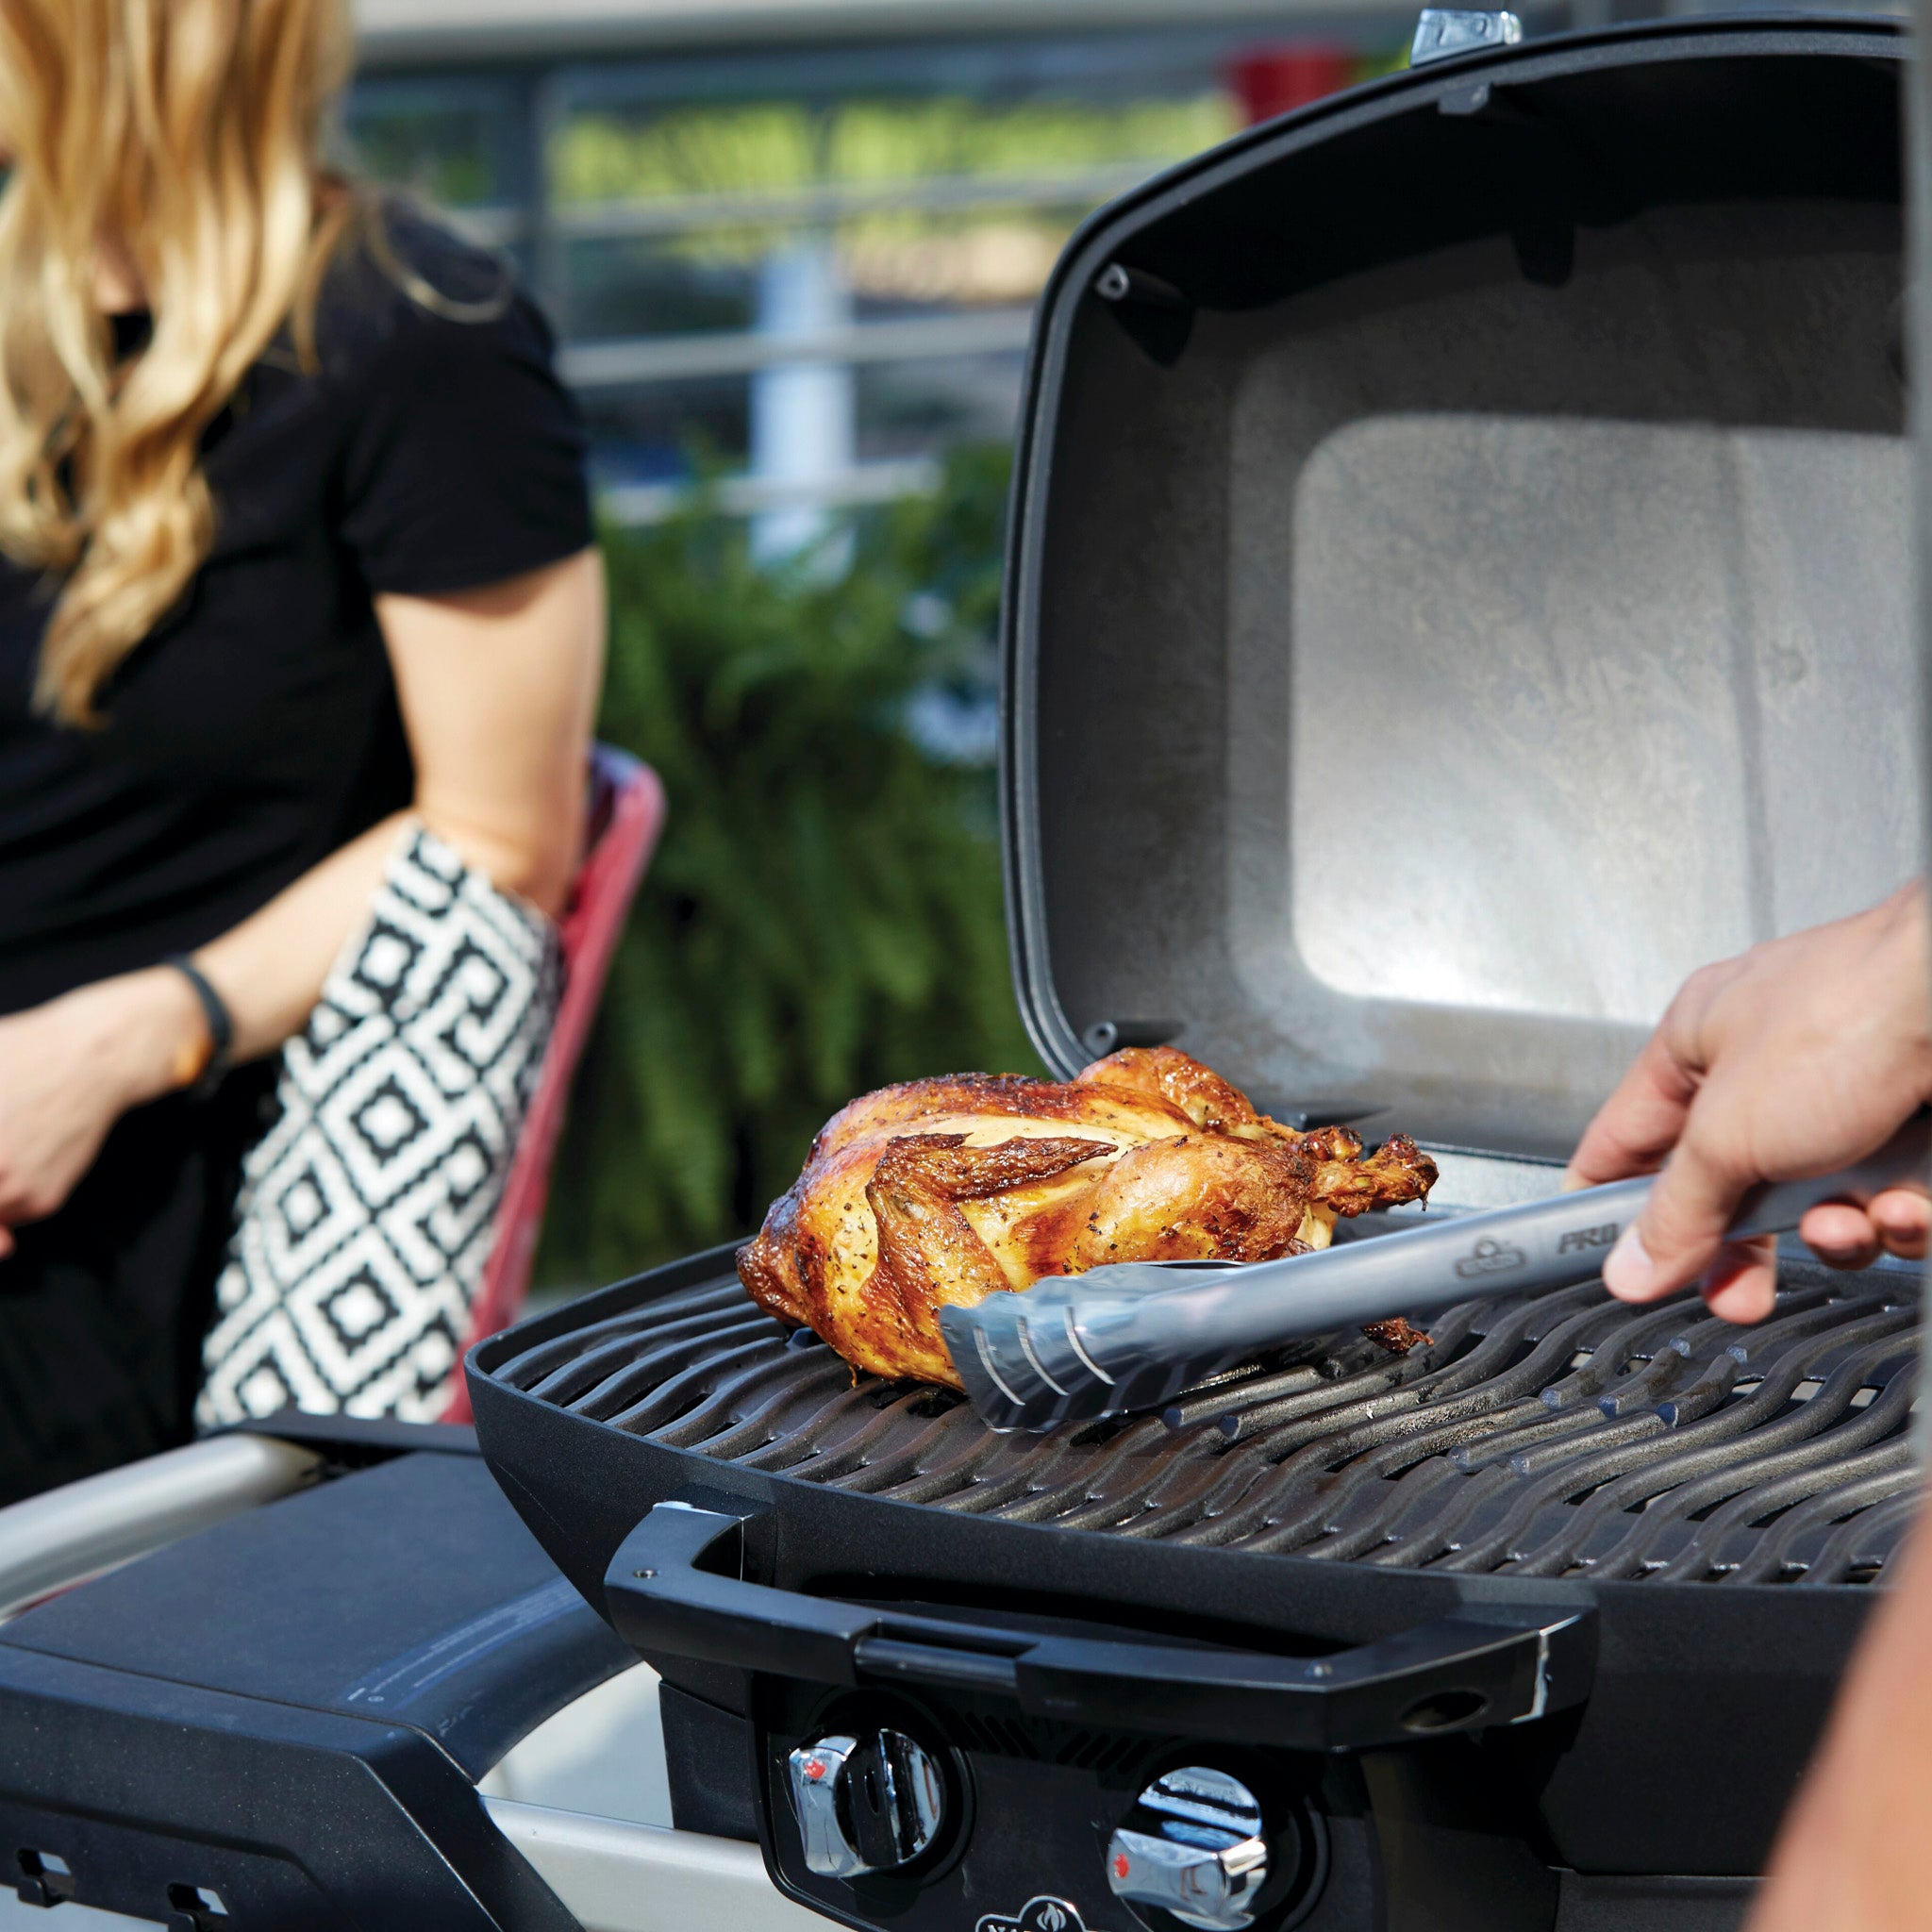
[{"x": 1561, "y": 1435}]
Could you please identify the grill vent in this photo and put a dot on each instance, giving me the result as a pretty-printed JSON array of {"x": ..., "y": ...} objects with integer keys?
[
  {"x": 1562, "y": 1435},
  {"x": 1038, "y": 1741}
]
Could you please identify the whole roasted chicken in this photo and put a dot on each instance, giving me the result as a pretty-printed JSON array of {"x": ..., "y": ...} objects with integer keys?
[{"x": 947, "y": 1191}]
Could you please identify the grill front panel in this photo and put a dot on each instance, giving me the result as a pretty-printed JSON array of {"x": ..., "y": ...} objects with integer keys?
[{"x": 1563, "y": 1435}]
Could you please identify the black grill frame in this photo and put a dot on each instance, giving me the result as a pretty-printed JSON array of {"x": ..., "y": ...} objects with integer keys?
[{"x": 1706, "y": 1704}]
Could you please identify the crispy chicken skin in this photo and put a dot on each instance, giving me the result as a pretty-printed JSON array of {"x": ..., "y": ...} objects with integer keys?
[{"x": 944, "y": 1191}]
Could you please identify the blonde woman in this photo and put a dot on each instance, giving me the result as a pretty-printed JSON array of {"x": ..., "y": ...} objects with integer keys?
[{"x": 296, "y": 559}]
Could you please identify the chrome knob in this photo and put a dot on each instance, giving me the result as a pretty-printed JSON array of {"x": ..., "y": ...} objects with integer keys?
[
  {"x": 1193, "y": 1847},
  {"x": 865, "y": 1803}
]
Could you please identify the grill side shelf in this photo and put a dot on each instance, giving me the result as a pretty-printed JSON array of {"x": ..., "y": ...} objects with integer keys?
[{"x": 676, "y": 1587}]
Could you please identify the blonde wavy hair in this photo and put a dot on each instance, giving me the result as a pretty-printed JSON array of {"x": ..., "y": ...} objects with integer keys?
[{"x": 189, "y": 132}]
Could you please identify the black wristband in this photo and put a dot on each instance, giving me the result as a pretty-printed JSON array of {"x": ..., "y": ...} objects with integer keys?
[{"x": 221, "y": 1023}]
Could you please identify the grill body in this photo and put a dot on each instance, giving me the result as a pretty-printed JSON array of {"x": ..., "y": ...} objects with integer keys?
[
  {"x": 1704, "y": 1697},
  {"x": 1458, "y": 532}
]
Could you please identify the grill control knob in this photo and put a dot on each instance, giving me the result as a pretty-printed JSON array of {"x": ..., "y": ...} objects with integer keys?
[
  {"x": 865, "y": 1803},
  {"x": 1197, "y": 1852}
]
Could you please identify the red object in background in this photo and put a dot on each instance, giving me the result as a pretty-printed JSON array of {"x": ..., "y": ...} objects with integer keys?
[
  {"x": 626, "y": 812},
  {"x": 1276, "y": 80}
]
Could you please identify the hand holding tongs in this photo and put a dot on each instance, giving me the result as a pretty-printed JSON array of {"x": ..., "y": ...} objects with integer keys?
[{"x": 1132, "y": 1335}]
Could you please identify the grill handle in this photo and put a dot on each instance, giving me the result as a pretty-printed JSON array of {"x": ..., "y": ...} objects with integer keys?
[{"x": 676, "y": 1588}]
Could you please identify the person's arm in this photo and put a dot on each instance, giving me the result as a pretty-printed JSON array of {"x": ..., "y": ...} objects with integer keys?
[
  {"x": 1851, "y": 1854},
  {"x": 1798, "y": 1058},
  {"x": 1801, "y": 1056},
  {"x": 497, "y": 688}
]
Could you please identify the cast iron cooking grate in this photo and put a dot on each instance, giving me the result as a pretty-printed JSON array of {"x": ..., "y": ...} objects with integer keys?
[{"x": 1558, "y": 1435}]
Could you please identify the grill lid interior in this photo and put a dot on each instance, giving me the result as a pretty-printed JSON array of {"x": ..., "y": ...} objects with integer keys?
[{"x": 1448, "y": 598}]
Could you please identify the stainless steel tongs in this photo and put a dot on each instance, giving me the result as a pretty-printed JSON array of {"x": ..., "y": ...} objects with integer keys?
[{"x": 1132, "y": 1335}]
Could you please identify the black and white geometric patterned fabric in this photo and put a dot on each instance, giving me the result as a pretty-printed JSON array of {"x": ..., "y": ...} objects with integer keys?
[{"x": 368, "y": 1210}]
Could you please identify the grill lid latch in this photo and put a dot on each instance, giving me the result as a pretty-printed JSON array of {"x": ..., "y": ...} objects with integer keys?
[{"x": 1443, "y": 31}]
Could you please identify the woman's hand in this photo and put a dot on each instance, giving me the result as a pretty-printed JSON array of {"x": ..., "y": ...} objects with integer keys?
[
  {"x": 69, "y": 1069},
  {"x": 1801, "y": 1056}
]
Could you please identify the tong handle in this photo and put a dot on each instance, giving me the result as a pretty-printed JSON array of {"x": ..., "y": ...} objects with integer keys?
[
  {"x": 1544, "y": 1243},
  {"x": 1780, "y": 1205},
  {"x": 1131, "y": 1336}
]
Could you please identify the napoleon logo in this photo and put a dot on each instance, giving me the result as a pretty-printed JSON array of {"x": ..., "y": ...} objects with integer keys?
[
  {"x": 1490, "y": 1256},
  {"x": 1581, "y": 1238},
  {"x": 1036, "y": 1915}
]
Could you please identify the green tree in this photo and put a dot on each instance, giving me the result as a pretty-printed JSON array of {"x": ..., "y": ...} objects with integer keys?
[{"x": 823, "y": 914}]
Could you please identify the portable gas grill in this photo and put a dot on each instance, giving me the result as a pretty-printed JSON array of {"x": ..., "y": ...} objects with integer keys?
[{"x": 1457, "y": 584}]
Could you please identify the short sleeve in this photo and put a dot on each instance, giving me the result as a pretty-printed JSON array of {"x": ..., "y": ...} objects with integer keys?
[{"x": 464, "y": 458}]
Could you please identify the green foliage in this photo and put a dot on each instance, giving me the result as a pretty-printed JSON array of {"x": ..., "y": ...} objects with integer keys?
[
  {"x": 443, "y": 154},
  {"x": 823, "y": 914},
  {"x": 794, "y": 144}
]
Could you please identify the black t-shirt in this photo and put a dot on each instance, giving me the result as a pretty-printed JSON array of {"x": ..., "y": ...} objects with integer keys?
[{"x": 257, "y": 730}]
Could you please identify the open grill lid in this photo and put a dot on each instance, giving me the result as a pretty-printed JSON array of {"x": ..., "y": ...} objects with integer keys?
[{"x": 1459, "y": 577}]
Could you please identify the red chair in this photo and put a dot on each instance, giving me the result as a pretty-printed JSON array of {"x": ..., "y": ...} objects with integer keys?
[{"x": 625, "y": 816}]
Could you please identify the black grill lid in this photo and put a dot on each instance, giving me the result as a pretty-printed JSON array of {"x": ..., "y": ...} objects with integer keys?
[{"x": 1459, "y": 577}]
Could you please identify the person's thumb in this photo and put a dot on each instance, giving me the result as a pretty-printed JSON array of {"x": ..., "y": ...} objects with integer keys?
[{"x": 1679, "y": 1234}]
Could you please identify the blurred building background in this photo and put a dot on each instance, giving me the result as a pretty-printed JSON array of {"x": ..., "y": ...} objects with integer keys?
[
  {"x": 803, "y": 235},
  {"x": 798, "y": 240}
]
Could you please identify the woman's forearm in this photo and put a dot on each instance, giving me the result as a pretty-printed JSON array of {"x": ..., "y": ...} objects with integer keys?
[
  {"x": 269, "y": 969},
  {"x": 118, "y": 1042},
  {"x": 71, "y": 1067},
  {"x": 497, "y": 688}
]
